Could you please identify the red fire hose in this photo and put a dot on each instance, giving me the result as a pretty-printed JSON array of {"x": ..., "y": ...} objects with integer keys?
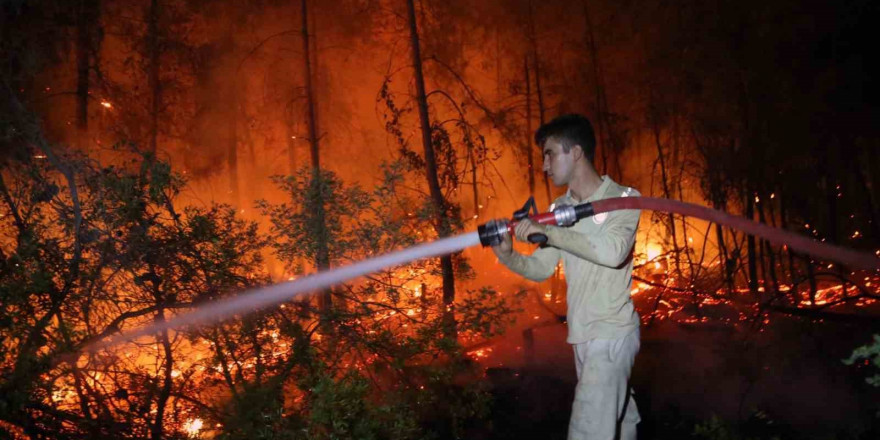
[{"x": 490, "y": 233}]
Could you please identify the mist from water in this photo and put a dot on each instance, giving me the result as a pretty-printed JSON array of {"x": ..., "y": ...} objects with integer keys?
[{"x": 254, "y": 299}]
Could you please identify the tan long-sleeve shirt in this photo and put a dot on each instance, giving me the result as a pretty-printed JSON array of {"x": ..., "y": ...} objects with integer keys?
[{"x": 597, "y": 258}]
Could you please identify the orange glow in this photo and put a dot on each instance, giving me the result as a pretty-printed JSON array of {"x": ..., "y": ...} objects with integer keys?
[
  {"x": 402, "y": 299},
  {"x": 193, "y": 426},
  {"x": 653, "y": 250},
  {"x": 482, "y": 353}
]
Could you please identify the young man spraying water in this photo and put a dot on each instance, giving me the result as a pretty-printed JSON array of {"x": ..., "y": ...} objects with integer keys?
[{"x": 603, "y": 326}]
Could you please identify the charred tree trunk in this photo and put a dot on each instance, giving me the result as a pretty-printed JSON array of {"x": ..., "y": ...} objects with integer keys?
[
  {"x": 87, "y": 20},
  {"x": 322, "y": 258},
  {"x": 157, "y": 431},
  {"x": 541, "y": 119},
  {"x": 533, "y": 46},
  {"x": 555, "y": 281},
  {"x": 792, "y": 269},
  {"x": 157, "y": 428},
  {"x": 231, "y": 100},
  {"x": 751, "y": 246},
  {"x": 154, "y": 52},
  {"x": 811, "y": 276},
  {"x": 291, "y": 149},
  {"x": 529, "y": 346},
  {"x": 528, "y": 145},
  {"x": 473, "y": 158},
  {"x": 771, "y": 253},
  {"x": 314, "y": 150},
  {"x": 667, "y": 193},
  {"x": 597, "y": 90},
  {"x": 232, "y": 142},
  {"x": 440, "y": 205},
  {"x": 608, "y": 140},
  {"x": 724, "y": 258}
]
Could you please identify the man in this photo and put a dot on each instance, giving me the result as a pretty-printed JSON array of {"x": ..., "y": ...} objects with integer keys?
[{"x": 596, "y": 252}]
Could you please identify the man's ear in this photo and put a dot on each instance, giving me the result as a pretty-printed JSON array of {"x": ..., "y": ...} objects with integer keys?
[{"x": 577, "y": 151}]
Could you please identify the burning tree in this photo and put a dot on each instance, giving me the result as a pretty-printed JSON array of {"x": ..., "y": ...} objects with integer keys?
[
  {"x": 89, "y": 251},
  {"x": 385, "y": 331},
  {"x": 92, "y": 250}
]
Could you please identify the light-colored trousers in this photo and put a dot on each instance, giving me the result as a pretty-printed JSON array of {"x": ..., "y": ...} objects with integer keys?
[{"x": 604, "y": 408}]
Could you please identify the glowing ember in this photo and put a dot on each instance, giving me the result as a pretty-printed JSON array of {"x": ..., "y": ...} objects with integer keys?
[
  {"x": 481, "y": 353},
  {"x": 106, "y": 104}
]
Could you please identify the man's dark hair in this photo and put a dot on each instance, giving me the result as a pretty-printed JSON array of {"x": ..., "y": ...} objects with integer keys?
[{"x": 569, "y": 130}]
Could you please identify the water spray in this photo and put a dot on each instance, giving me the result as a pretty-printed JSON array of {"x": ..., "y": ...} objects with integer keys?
[
  {"x": 489, "y": 234},
  {"x": 259, "y": 298}
]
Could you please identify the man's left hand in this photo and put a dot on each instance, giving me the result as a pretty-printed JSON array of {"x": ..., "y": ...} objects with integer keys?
[{"x": 527, "y": 227}]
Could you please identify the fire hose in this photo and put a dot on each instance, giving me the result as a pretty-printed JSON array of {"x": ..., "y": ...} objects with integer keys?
[
  {"x": 492, "y": 232},
  {"x": 488, "y": 234}
]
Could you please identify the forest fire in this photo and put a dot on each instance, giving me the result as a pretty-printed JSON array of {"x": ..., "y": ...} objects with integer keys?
[{"x": 159, "y": 158}]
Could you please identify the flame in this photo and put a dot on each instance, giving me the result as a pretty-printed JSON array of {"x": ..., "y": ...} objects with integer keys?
[
  {"x": 193, "y": 426},
  {"x": 653, "y": 250},
  {"x": 481, "y": 353},
  {"x": 106, "y": 104}
]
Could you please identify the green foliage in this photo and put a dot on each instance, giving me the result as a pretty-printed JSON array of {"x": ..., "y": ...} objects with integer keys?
[
  {"x": 387, "y": 329},
  {"x": 296, "y": 232},
  {"x": 90, "y": 250},
  {"x": 340, "y": 408},
  {"x": 258, "y": 413},
  {"x": 486, "y": 312},
  {"x": 870, "y": 355}
]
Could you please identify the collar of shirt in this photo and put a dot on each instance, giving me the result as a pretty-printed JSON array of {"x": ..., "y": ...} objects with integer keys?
[{"x": 597, "y": 194}]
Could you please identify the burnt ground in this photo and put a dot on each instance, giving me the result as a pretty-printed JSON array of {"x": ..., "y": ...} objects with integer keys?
[{"x": 782, "y": 380}]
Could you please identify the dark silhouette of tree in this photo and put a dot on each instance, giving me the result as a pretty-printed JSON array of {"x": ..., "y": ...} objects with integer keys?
[
  {"x": 88, "y": 41},
  {"x": 440, "y": 205},
  {"x": 318, "y": 205}
]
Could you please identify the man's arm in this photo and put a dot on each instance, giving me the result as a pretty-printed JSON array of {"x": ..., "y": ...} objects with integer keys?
[
  {"x": 611, "y": 247},
  {"x": 536, "y": 267}
]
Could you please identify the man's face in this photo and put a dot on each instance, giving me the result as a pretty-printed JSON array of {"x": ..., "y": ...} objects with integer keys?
[{"x": 558, "y": 164}]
